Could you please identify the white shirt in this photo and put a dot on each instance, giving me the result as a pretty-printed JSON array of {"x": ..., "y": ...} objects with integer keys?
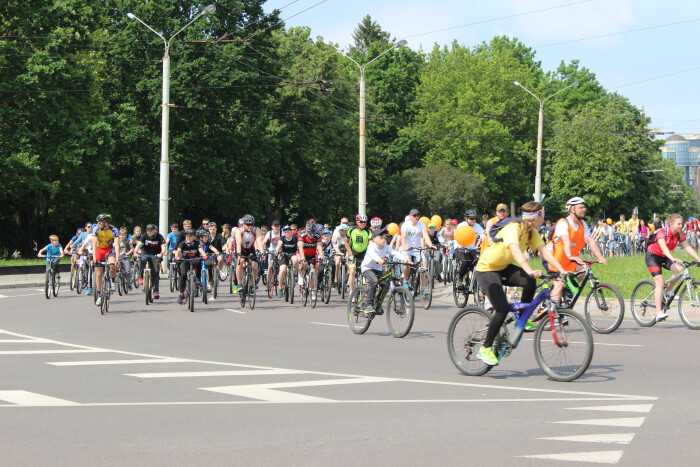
[
  {"x": 413, "y": 233},
  {"x": 477, "y": 228},
  {"x": 273, "y": 238},
  {"x": 562, "y": 228},
  {"x": 374, "y": 255}
]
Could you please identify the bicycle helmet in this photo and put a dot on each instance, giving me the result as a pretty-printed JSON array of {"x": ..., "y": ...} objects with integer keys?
[
  {"x": 104, "y": 217},
  {"x": 470, "y": 213},
  {"x": 189, "y": 232},
  {"x": 574, "y": 201},
  {"x": 240, "y": 222},
  {"x": 248, "y": 219},
  {"x": 286, "y": 227},
  {"x": 150, "y": 227},
  {"x": 310, "y": 225},
  {"x": 202, "y": 233},
  {"x": 326, "y": 232},
  {"x": 361, "y": 218},
  {"x": 376, "y": 222}
]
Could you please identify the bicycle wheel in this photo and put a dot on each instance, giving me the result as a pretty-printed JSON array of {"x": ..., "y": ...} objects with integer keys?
[
  {"x": 342, "y": 287},
  {"x": 290, "y": 285},
  {"x": 304, "y": 290},
  {"x": 425, "y": 289},
  {"x": 136, "y": 273},
  {"x": 399, "y": 316},
  {"x": 642, "y": 304},
  {"x": 689, "y": 305},
  {"x": 313, "y": 288},
  {"x": 459, "y": 291},
  {"x": 205, "y": 285},
  {"x": 479, "y": 295},
  {"x": 79, "y": 280},
  {"x": 55, "y": 283},
  {"x": 326, "y": 287},
  {"x": 191, "y": 292},
  {"x": 104, "y": 293},
  {"x": 358, "y": 320},
  {"x": 465, "y": 336},
  {"x": 604, "y": 308},
  {"x": 125, "y": 284},
  {"x": 243, "y": 290},
  {"x": 147, "y": 286},
  {"x": 565, "y": 350},
  {"x": 47, "y": 284},
  {"x": 251, "y": 291},
  {"x": 73, "y": 275},
  {"x": 171, "y": 278},
  {"x": 215, "y": 281},
  {"x": 270, "y": 282},
  {"x": 120, "y": 291}
]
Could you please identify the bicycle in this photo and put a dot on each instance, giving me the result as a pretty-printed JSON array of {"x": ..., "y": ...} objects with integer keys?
[
  {"x": 273, "y": 270},
  {"x": 51, "y": 283},
  {"x": 147, "y": 278},
  {"x": 447, "y": 263},
  {"x": 401, "y": 312},
  {"x": 556, "y": 348},
  {"x": 288, "y": 284},
  {"x": 106, "y": 289},
  {"x": 247, "y": 289},
  {"x": 191, "y": 287},
  {"x": 136, "y": 273},
  {"x": 173, "y": 272},
  {"x": 122, "y": 283},
  {"x": 326, "y": 270},
  {"x": 643, "y": 305},
  {"x": 420, "y": 282},
  {"x": 310, "y": 284},
  {"x": 342, "y": 276},
  {"x": 81, "y": 274}
]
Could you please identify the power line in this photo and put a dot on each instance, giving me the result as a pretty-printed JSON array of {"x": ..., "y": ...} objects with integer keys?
[{"x": 657, "y": 77}]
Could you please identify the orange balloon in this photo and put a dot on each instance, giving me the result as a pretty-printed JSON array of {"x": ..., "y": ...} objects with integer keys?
[
  {"x": 437, "y": 220},
  {"x": 392, "y": 228},
  {"x": 465, "y": 235},
  {"x": 651, "y": 228},
  {"x": 425, "y": 221}
]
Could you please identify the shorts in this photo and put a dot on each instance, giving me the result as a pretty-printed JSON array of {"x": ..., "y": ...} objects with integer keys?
[
  {"x": 358, "y": 257},
  {"x": 656, "y": 262},
  {"x": 250, "y": 253},
  {"x": 415, "y": 256},
  {"x": 314, "y": 261},
  {"x": 101, "y": 254},
  {"x": 284, "y": 259}
]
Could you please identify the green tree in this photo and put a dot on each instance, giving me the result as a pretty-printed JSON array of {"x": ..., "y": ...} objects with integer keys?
[{"x": 367, "y": 33}]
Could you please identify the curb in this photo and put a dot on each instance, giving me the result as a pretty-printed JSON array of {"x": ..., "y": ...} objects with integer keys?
[{"x": 22, "y": 286}]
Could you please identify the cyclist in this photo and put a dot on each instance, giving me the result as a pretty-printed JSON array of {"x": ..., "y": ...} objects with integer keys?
[
  {"x": 495, "y": 269},
  {"x": 153, "y": 243},
  {"x": 87, "y": 245},
  {"x": 468, "y": 254},
  {"x": 336, "y": 231},
  {"x": 436, "y": 239},
  {"x": 187, "y": 249},
  {"x": 272, "y": 238},
  {"x": 310, "y": 246},
  {"x": 571, "y": 234},
  {"x": 105, "y": 249},
  {"x": 208, "y": 252},
  {"x": 371, "y": 267},
  {"x": 248, "y": 241},
  {"x": 217, "y": 241},
  {"x": 125, "y": 253},
  {"x": 501, "y": 214},
  {"x": 375, "y": 223},
  {"x": 623, "y": 232},
  {"x": 288, "y": 244},
  {"x": 328, "y": 248},
  {"x": 356, "y": 242},
  {"x": 54, "y": 250},
  {"x": 658, "y": 256},
  {"x": 414, "y": 235},
  {"x": 339, "y": 248},
  {"x": 633, "y": 230},
  {"x": 74, "y": 245},
  {"x": 171, "y": 240}
]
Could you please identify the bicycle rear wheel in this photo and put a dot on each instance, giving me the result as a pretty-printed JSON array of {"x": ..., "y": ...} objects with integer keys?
[
  {"x": 120, "y": 290},
  {"x": 136, "y": 273},
  {"x": 564, "y": 352},
  {"x": 55, "y": 283},
  {"x": 47, "y": 284},
  {"x": 465, "y": 336},
  {"x": 399, "y": 316},
  {"x": 459, "y": 291},
  {"x": 147, "y": 286},
  {"x": 604, "y": 308},
  {"x": 689, "y": 305},
  {"x": 358, "y": 320},
  {"x": 313, "y": 288},
  {"x": 642, "y": 304}
]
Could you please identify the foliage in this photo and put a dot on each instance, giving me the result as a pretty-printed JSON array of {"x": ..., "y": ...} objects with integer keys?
[{"x": 366, "y": 34}]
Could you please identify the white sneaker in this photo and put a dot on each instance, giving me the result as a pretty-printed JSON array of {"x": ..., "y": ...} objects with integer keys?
[
  {"x": 222, "y": 275},
  {"x": 661, "y": 316},
  {"x": 98, "y": 302},
  {"x": 487, "y": 304},
  {"x": 113, "y": 286},
  {"x": 301, "y": 280}
]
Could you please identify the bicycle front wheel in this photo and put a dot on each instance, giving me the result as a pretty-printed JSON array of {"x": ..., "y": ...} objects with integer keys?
[
  {"x": 425, "y": 289},
  {"x": 642, "y": 304},
  {"x": 79, "y": 280},
  {"x": 191, "y": 292},
  {"x": 291, "y": 285},
  {"x": 55, "y": 284},
  {"x": 313, "y": 289},
  {"x": 459, "y": 291},
  {"x": 465, "y": 336},
  {"x": 358, "y": 320},
  {"x": 399, "y": 316},
  {"x": 304, "y": 291},
  {"x": 251, "y": 291},
  {"x": 564, "y": 351},
  {"x": 215, "y": 281},
  {"x": 689, "y": 305},
  {"x": 120, "y": 290},
  {"x": 147, "y": 286},
  {"x": 73, "y": 276},
  {"x": 604, "y": 308},
  {"x": 172, "y": 278}
]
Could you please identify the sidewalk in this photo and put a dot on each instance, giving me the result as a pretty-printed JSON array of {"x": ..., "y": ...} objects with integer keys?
[{"x": 14, "y": 281}]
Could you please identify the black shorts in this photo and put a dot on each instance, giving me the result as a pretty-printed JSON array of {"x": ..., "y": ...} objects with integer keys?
[
  {"x": 285, "y": 259},
  {"x": 250, "y": 253},
  {"x": 358, "y": 257},
  {"x": 656, "y": 262}
]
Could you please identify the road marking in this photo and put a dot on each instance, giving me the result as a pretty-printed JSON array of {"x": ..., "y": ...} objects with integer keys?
[
  {"x": 614, "y": 438},
  {"x": 599, "y": 457},
  {"x": 267, "y": 392},
  {"x": 199, "y": 374},
  {"x": 21, "y": 295},
  {"x": 235, "y": 311},
  {"x": 3, "y": 296},
  {"x": 602, "y": 343},
  {"x": 37, "y": 352},
  {"x": 119, "y": 362},
  {"x": 27, "y": 398},
  {"x": 24, "y": 341},
  {"x": 642, "y": 408},
  {"x": 626, "y": 422},
  {"x": 330, "y": 324}
]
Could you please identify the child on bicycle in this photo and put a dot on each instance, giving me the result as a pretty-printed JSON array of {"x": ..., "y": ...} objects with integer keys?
[
  {"x": 126, "y": 251},
  {"x": 659, "y": 256},
  {"x": 371, "y": 266},
  {"x": 495, "y": 269},
  {"x": 54, "y": 253}
]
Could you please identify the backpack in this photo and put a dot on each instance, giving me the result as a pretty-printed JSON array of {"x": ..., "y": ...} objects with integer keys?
[
  {"x": 651, "y": 239},
  {"x": 498, "y": 226}
]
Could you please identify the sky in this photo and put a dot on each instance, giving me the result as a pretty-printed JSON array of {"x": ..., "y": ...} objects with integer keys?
[{"x": 645, "y": 53}]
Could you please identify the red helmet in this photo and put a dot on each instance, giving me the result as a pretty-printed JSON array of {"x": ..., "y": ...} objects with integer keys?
[
  {"x": 361, "y": 218},
  {"x": 376, "y": 222}
]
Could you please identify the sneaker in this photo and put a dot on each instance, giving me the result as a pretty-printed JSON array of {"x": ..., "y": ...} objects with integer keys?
[
  {"x": 208, "y": 287},
  {"x": 530, "y": 326},
  {"x": 279, "y": 293},
  {"x": 88, "y": 291},
  {"x": 156, "y": 295},
  {"x": 301, "y": 280},
  {"x": 487, "y": 304},
  {"x": 222, "y": 275},
  {"x": 405, "y": 284},
  {"x": 141, "y": 281},
  {"x": 661, "y": 316},
  {"x": 199, "y": 283},
  {"x": 181, "y": 299},
  {"x": 487, "y": 356},
  {"x": 130, "y": 288},
  {"x": 98, "y": 302},
  {"x": 235, "y": 289},
  {"x": 425, "y": 293},
  {"x": 113, "y": 286},
  {"x": 369, "y": 309}
]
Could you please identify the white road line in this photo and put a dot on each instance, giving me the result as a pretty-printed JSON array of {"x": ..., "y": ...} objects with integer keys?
[
  {"x": 602, "y": 343},
  {"x": 37, "y": 352},
  {"x": 3, "y": 296},
  {"x": 642, "y": 408},
  {"x": 24, "y": 341},
  {"x": 612, "y": 438},
  {"x": 635, "y": 422},
  {"x": 235, "y": 311},
  {"x": 21, "y": 295},
  {"x": 119, "y": 362},
  {"x": 199, "y": 374},
  {"x": 330, "y": 324},
  {"x": 27, "y": 398},
  {"x": 599, "y": 457}
]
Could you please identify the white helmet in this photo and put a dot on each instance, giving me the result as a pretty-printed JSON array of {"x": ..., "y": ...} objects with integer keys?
[{"x": 574, "y": 201}]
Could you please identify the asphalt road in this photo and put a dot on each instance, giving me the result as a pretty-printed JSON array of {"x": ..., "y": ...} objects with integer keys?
[{"x": 286, "y": 385}]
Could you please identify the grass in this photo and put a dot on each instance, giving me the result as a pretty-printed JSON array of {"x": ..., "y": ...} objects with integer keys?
[
  {"x": 29, "y": 262},
  {"x": 624, "y": 273}
]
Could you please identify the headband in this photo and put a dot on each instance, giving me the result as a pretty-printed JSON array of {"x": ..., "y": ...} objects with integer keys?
[{"x": 530, "y": 216}]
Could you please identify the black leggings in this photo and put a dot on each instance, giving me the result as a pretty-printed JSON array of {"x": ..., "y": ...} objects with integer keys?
[
  {"x": 184, "y": 267},
  {"x": 492, "y": 282}
]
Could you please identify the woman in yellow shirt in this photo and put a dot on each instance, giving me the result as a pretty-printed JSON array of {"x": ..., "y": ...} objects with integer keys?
[{"x": 496, "y": 269}]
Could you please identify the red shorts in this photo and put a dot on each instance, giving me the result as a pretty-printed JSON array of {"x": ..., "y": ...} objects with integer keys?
[{"x": 101, "y": 254}]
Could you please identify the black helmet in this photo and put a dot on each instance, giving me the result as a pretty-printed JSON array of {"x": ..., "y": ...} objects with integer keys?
[
  {"x": 202, "y": 233},
  {"x": 248, "y": 219},
  {"x": 104, "y": 217},
  {"x": 470, "y": 213},
  {"x": 189, "y": 232}
]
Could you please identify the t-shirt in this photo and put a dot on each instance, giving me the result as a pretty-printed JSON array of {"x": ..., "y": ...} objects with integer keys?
[
  {"x": 151, "y": 243},
  {"x": 172, "y": 239},
  {"x": 359, "y": 239},
  {"x": 123, "y": 247},
  {"x": 413, "y": 233},
  {"x": 622, "y": 227},
  {"x": 189, "y": 249},
  {"x": 217, "y": 242},
  {"x": 671, "y": 242},
  {"x": 436, "y": 238},
  {"x": 498, "y": 256},
  {"x": 477, "y": 228},
  {"x": 327, "y": 248},
  {"x": 273, "y": 238},
  {"x": 79, "y": 239},
  {"x": 290, "y": 246},
  {"x": 105, "y": 237},
  {"x": 374, "y": 254},
  {"x": 53, "y": 251},
  {"x": 633, "y": 224},
  {"x": 644, "y": 231},
  {"x": 206, "y": 246}
]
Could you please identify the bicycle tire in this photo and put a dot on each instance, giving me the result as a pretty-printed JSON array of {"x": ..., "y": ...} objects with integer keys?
[
  {"x": 47, "y": 284},
  {"x": 401, "y": 312},
  {"x": 251, "y": 291},
  {"x": 147, "y": 286},
  {"x": 205, "y": 285},
  {"x": 191, "y": 292},
  {"x": 313, "y": 289},
  {"x": 270, "y": 282},
  {"x": 56, "y": 283},
  {"x": 291, "y": 285},
  {"x": 215, "y": 281},
  {"x": 242, "y": 292},
  {"x": 358, "y": 320},
  {"x": 690, "y": 312},
  {"x": 136, "y": 273},
  {"x": 342, "y": 287},
  {"x": 304, "y": 290},
  {"x": 425, "y": 289},
  {"x": 172, "y": 278},
  {"x": 73, "y": 275},
  {"x": 605, "y": 319},
  {"x": 465, "y": 336},
  {"x": 479, "y": 295},
  {"x": 79, "y": 280},
  {"x": 120, "y": 291},
  {"x": 564, "y": 361},
  {"x": 642, "y": 305},
  {"x": 327, "y": 288},
  {"x": 460, "y": 295}
]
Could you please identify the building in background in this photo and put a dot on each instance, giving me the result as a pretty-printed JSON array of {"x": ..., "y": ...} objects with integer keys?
[{"x": 684, "y": 152}]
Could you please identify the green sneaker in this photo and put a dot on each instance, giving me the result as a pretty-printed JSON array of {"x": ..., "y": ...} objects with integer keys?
[
  {"x": 487, "y": 356},
  {"x": 235, "y": 289},
  {"x": 530, "y": 326}
]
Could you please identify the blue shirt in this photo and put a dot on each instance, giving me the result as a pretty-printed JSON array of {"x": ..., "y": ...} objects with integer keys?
[
  {"x": 52, "y": 251},
  {"x": 173, "y": 238}
]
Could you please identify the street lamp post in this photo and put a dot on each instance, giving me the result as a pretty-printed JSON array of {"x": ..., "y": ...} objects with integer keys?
[
  {"x": 362, "y": 175},
  {"x": 540, "y": 125},
  {"x": 165, "y": 130}
]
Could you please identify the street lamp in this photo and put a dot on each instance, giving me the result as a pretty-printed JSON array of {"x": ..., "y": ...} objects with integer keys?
[
  {"x": 164, "y": 162},
  {"x": 362, "y": 176},
  {"x": 540, "y": 123}
]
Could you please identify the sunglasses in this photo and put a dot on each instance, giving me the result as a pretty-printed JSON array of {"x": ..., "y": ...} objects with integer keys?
[
  {"x": 501, "y": 210},
  {"x": 415, "y": 215},
  {"x": 471, "y": 218},
  {"x": 361, "y": 222},
  {"x": 294, "y": 230}
]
